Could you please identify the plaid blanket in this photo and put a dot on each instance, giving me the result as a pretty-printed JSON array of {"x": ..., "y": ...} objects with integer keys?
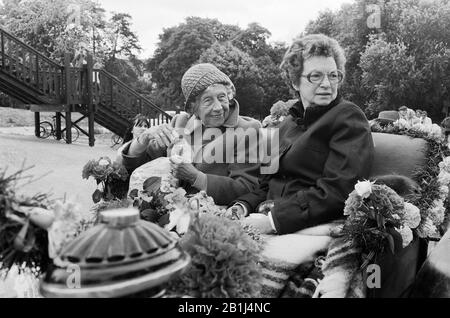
[{"x": 289, "y": 262}]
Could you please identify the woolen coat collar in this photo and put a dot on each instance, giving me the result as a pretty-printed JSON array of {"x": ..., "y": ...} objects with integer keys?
[{"x": 312, "y": 114}]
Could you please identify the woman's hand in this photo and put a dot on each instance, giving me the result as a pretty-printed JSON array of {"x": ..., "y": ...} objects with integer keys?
[
  {"x": 237, "y": 211},
  {"x": 157, "y": 138},
  {"x": 260, "y": 222},
  {"x": 183, "y": 170}
]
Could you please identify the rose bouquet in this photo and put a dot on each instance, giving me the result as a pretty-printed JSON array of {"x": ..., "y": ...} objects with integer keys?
[
  {"x": 112, "y": 177},
  {"x": 375, "y": 215}
]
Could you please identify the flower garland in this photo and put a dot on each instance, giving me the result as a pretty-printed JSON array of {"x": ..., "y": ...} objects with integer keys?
[
  {"x": 377, "y": 216},
  {"x": 433, "y": 178}
]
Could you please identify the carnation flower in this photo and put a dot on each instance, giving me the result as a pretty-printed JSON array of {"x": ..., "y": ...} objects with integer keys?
[
  {"x": 436, "y": 132},
  {"x": 437, "y": 212},
  {"x": 353, "y": 204},
  {"x": 407, "y": 235},
  {"x": 411, "y": 216},
  {"x": 426, "y": 229},
  {"x": 445, "y": 164},
  {"x": 444, "y": 178},
  {"x": 443, "y": 190}
]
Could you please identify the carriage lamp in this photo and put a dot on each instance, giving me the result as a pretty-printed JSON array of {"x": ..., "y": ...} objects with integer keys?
[{"x": 120, "y": 257}]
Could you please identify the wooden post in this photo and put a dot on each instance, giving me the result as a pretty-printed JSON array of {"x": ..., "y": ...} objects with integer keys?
[
  {"x": 37, "y": 124},
  {"x": 69, "y": 127},
  {"x": 58, "y": 126},
  {"x": 68, "y": 98},
  {"x": 37, "y": 72},
  {"x": 68, "y": 79},
  {"x": 90, "y": 95},
  {"x": 3, "y": 49}
]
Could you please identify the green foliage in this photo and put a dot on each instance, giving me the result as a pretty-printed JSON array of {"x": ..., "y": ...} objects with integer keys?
[
  {"x": 57, "y": 27},
  {"x": 243, "y": 71},
  {"x": 404, "y": 62},
  {"x": 244, "y": 55}
]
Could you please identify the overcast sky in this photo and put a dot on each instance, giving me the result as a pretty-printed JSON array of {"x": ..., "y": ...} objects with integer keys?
[{"x": 283, "y": 18}]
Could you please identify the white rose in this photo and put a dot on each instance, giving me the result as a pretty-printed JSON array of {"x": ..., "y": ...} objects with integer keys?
[
  {"x": 103, "y": 162},
  {"x": 407, "y": 235},
  {"x": 363, "y": 189}
]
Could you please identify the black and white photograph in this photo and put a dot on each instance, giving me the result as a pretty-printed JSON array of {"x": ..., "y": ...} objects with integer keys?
[{"x": 224, "y": 155}]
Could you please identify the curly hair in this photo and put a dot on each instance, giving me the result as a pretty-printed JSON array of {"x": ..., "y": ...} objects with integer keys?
[{"x": 306, "y": 47}]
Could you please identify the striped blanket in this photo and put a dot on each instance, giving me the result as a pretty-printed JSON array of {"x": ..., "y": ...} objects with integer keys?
[{"x": 289, "y": 263}]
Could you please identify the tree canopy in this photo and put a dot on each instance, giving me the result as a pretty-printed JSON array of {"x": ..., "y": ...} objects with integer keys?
[
  {"x": 244, "y": 55},
  {"x": 404, "y": 61}
]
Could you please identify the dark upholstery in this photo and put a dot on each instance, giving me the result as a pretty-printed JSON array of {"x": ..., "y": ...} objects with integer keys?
[{"x": 397, "y": 154}]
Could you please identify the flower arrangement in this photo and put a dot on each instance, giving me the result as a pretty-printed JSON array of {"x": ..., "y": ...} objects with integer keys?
[
  {"x": 225, "y": 254},
  {"x": 377, "y": 218},
  {"x": 34, "y": 229},
  {"x": 22, "y": 240},
  {"x": 402, "y": 127},
  {"x": 111, "y": 175},
  {"x": 434, "y": 176},
  {"x": 374, "y": 211},
  {"x": 225, "y": 260}
]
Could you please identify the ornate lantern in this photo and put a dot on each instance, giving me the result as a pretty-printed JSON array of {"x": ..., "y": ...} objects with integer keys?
[{"x": 121, "y": 256}]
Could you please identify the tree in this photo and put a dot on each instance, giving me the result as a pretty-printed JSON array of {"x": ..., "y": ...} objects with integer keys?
[
  {"x": 405, "y": 61},
  {"x": 124, "y": 41},
  {"x": 253, "y": 40},
  {"x": 414, "y": 53},
  {"x": 241, "y": 69},
  {"x": 56, "y": 27},
  {"x": 52, "y": 27},
  {"x": 179, "y": 48}
]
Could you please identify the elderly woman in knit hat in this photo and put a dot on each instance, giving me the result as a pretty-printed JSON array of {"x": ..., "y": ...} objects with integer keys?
[{"x": 211, "y": 108}]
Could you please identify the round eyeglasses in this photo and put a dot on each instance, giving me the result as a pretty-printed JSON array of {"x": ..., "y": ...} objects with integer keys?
[{"x": 335, "y": 77}]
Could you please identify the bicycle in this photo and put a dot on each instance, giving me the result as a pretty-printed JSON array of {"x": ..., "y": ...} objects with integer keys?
[
  {"x": 116, "y": 140},
  {"x": 47, "y": 129}
]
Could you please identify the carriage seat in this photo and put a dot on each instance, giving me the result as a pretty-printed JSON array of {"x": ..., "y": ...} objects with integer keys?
[{"x": 398, "y": 154}]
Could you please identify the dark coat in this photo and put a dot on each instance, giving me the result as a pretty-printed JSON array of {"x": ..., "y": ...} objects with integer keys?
[{"x": 322, "y": 156}]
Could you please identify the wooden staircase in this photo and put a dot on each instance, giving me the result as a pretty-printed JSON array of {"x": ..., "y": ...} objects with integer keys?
[{"x": 41, "y": 85}]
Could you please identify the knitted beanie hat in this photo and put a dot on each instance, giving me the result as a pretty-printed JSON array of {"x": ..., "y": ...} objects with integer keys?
[{"x": 199, "y": 77}]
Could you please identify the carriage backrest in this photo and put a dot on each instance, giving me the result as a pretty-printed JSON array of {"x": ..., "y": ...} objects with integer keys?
[{"x": 397, "y": 154}]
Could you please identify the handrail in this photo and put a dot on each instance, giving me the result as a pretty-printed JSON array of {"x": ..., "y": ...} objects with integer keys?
[
  {"x": 30, "y": 48},
  {"x": 131, "y": 91},
  {"x": 67, "y": 83}
]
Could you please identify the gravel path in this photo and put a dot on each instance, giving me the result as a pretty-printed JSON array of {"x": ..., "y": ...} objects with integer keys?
[{"x": 56, "y": 165}]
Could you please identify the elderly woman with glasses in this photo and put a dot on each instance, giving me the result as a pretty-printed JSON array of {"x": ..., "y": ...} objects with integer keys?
[{"x": 325, "y": 146}]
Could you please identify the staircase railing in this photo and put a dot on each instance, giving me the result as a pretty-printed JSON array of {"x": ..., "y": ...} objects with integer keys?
[
  {"x": 115, "y": 95},
  {"x": 31, "y": 68},
  {"x": 71, "y": 85}
]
